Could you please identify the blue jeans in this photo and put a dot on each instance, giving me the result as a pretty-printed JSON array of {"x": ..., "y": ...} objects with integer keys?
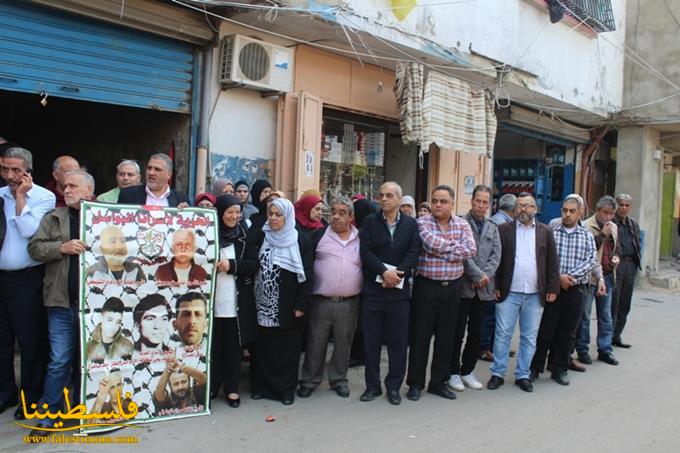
[
  {"x": 63, "y": 366},
  {"x": 528, "y": 308},
  {"x": 605, "y": 326}
]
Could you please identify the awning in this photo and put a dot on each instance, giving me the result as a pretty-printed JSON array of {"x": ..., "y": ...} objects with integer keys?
[
  {"x": 447, "y": 111},
  {"x": 456, "y": 116}
]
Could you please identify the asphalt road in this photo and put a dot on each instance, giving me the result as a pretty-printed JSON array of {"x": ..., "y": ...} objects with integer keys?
[{"x": 634, "y": 407}]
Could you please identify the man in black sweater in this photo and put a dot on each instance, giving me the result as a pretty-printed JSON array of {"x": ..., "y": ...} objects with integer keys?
[{"x": 390, "y": 244}]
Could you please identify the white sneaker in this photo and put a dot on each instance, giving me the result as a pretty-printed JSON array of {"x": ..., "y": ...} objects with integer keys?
[
  {"x": 455, "y": 383},
  {"x": 471, "y": 381}
]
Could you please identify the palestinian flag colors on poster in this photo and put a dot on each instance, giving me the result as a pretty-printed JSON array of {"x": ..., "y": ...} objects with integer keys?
[{"x": 147, "y": 280}]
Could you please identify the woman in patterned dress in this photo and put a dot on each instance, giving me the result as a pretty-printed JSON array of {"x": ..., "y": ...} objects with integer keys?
[{"x": 282, "y": 293}]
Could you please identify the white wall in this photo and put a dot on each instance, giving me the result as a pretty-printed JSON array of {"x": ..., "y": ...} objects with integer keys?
[
  {"x": 242, "y": 130},
  {"x": 584, "y": 71}
]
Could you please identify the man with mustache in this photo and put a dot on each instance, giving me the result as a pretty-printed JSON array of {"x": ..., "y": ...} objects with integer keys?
[
  {"x": 526, "y": 279},
  {"x": 182, "y": 270},
  {"x": 191, "y": 318},
  {"x": 157, "y": 191},
  {"x": 174, "y": 391}
]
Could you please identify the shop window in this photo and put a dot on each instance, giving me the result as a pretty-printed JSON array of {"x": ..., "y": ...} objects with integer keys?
[{"x": 352, "y": 156}]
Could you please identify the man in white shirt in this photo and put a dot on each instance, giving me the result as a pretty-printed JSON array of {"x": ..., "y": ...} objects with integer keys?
[{"x": 22, "y": 315}]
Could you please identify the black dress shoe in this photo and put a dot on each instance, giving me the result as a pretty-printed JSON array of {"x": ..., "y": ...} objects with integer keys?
[
  {"x": 525, "y": 385},
  {"x": 304, "y": 392},
  {"x": 7, "y": 404},
  {"x": 370, "y": 395},
  {"x": 393, "y": 397},
  {"x": 533, "y": 376},
  {"x": 495, "y": 382},
  {"x": 342, "y": 391},
  {"x": 413, "y": 393},
  {"x": 585, "y": 358},
  {"x": 19, "y": 413},
  {"x": 573, "y": 365},
  {"x": 288, "y": 399},
  {"x": 621, "y": 344},
  {"x": 607, "y": 357},
  {"x": 442, "y": 391},
  {"x": 256, "y": 395},
  {"x": 235, "y": 402},
  {"x": 560, "y": 377}
]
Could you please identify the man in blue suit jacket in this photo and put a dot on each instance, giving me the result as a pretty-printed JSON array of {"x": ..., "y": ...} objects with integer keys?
[{"x": 157, "y": 191}]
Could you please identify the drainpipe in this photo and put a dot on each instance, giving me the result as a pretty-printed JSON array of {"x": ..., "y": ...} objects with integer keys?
[{"x": 202, "y": 139}]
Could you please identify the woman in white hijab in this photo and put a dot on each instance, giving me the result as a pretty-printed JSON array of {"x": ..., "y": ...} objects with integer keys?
[
  {"x": 407, "y": 206},
  {"x": 282, "y": 294}
]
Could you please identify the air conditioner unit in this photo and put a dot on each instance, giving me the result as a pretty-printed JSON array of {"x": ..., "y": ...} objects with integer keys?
[{"x": 256, "y": 64}]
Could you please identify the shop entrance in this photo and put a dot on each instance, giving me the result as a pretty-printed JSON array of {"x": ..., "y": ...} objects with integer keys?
[{"x": 98, "y": 135}]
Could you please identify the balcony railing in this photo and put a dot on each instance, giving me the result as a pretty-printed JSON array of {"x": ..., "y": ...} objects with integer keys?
[{"x": 598, "y": 14}]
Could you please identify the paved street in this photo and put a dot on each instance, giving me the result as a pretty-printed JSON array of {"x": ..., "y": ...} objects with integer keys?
[{"x": 630, "y": 408}]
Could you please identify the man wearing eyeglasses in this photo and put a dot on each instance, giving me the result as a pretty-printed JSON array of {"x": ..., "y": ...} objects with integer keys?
[
  {"x": 128, "y": 174},
  {"x": 389, "y": 246},
  {"x": 526, "y": 279}
]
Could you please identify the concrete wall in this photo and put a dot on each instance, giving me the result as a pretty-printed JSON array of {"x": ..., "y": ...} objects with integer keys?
[
  {"x": 638, "y": 174},
  {"x": 652, "y": 33},
  {"x": 242, "y": 130},
  {"x": 571, "y": 66}
]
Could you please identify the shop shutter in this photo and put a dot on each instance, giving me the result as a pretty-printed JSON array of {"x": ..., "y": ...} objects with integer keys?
[{"x": 68, "y": 56}]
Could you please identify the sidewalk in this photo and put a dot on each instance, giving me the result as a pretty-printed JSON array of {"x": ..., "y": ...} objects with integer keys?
[{"x": 631, "y": 408}]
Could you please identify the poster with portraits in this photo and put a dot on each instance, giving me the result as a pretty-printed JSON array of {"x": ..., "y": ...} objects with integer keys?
[{"x": 147, "y": 280}]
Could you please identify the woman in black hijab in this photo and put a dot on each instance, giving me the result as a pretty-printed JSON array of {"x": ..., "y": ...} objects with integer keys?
[
  {"x": 234, "y": 316},
  {"x": 259, "y": 193}
]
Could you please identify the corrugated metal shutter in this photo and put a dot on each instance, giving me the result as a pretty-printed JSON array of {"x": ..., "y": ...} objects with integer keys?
[{"x": 67, "y": 56}]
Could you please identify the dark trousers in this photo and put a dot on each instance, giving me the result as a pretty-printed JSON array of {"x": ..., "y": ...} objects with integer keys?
[
  {"x": 557, "y": 332},
  {"x": 357, "y": 351},
  {"x": 225, "y": 354},
  {"x": 471, "y": 315},
  {"x": 385, "y": 320},
  {"x": 488, "y": 327},
  {"x": 623, "y": 296},
  {"x": 22, "y": 317},
  {"x": 435, "y": 309}
]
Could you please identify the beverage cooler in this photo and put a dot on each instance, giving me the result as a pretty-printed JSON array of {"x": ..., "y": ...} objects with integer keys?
[{"x": 549, "y": 180}]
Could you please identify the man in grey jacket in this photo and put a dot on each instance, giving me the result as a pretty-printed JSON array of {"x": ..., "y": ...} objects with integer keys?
[
  {"x": 57, "y": 244},
  {"x": 477, "y": 290}
]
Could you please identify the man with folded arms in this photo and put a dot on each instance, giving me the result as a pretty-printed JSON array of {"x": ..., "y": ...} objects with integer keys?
[{"x": 447, "y": 243}]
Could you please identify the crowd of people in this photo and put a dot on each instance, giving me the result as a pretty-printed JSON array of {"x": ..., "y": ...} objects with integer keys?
[{"x": 289, "y": 279}]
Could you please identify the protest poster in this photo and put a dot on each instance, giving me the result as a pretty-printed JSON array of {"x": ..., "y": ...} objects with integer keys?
[{"x": 147, "y": 281}]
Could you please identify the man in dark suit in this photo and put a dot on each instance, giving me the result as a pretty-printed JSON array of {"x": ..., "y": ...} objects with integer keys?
[
  {"x": 389, "y": 247},
  {"x": 156, "y": 191},
  {"x": 527, "y": 277}
]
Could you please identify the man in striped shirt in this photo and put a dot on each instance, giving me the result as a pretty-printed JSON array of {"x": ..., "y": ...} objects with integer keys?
[
  {"x": 447, "y": 243},
  {"x": 576, "y": 252}
]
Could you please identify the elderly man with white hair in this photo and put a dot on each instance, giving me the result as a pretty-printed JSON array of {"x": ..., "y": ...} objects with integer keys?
[{"x": 128, "y": 174}]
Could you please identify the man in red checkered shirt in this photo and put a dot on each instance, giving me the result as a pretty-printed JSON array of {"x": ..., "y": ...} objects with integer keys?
[{"x": 447, "y": 242}]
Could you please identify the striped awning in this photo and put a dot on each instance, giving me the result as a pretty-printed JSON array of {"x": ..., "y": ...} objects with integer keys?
[{"x": 457, "y": 116}]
